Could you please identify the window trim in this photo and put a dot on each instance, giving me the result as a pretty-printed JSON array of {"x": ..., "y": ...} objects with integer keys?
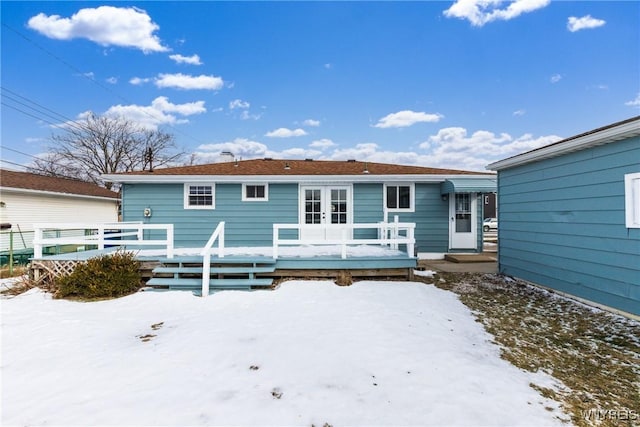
[
  {"x": 186, "y": 194},
  {"x": 632, "y": 200},
  {"x": 255, "y": 199},
  {"x": 412, "y": 196}
]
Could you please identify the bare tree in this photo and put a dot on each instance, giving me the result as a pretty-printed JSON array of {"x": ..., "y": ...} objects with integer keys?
[{"x": 102, "y": 145}]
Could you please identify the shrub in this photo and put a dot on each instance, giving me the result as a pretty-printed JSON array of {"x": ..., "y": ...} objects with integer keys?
[{"x": 106, "y": 276}]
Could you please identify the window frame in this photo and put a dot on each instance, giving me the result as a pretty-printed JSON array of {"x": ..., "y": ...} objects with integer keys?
[
  {"x": 412, "y": 196},
  {"x": 187, "y": 193},
  {"x": 255, "y": 199},
  {"x": 632, "y": 200}
]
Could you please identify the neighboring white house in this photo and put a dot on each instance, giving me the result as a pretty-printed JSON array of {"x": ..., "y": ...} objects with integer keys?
[{"x": 27, "y": 199}]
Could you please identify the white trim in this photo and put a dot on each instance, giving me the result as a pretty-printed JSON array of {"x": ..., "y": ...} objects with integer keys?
[
  {"x": 255, "y": 199},
  {"x": 186, "y": 189},
  {"x": 304, "y": 179},
  {"x": 632, "y": 200},
  {"x": 325, "y": 190},
  {"x": 412, "y": 196},
  {"x": 605, "y": 136},
  {"x": 58, "y": 194}
]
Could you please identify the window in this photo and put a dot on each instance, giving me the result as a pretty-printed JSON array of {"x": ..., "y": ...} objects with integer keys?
[
  {"x": 199, "y": 196},
  {"x": 399, "y": 197},
  {"x": 255, "y": 192},
  {"x": 632, "y": 200}
]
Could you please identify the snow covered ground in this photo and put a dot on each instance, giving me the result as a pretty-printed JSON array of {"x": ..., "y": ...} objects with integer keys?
[{"x": 310, "y": 352}]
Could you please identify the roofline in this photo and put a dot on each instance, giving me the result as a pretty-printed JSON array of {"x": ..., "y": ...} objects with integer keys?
[
  {"x": 605, "y": 135},
  {"x": 364, "y": 178},
  {"x": 55, "y": 193}
]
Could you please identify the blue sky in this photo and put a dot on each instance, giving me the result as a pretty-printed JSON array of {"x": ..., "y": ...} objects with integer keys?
[{"x": 442, "y": 84}]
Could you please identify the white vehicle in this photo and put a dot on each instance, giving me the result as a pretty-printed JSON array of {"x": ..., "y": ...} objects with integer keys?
[{"x": 490, "y": 224}]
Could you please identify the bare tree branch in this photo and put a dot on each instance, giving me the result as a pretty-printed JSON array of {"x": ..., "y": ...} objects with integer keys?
[{"x": 102, "y": 145}]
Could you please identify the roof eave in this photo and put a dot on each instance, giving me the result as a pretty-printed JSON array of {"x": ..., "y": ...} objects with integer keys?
[
  {"x": 364, "y": 178},
  {"x": 116, "y": 198},
  {"x": 605, "y": 136}
]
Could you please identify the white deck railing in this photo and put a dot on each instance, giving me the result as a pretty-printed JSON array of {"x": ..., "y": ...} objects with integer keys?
[
  {"x": 218, "y": 234},
  {"x": 121, "y": 234},
  {"x": 391, "y": 234}
]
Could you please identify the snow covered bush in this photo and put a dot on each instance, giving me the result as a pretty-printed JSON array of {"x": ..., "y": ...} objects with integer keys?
[{"x": 106, "y": 276}]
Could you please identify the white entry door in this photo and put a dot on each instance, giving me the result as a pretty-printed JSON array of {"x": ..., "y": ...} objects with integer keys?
[
  {"x": 323, "y": 209},
  {"x": 463, "y": 228}
]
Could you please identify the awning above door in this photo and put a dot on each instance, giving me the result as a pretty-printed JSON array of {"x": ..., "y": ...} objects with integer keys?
[{"x": 469, "y": 185}]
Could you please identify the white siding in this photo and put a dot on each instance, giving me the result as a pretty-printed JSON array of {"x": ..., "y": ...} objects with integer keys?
[{"x": 22, "y": 210}]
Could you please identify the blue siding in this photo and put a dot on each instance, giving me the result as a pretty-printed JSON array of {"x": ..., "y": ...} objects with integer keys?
[
  {"x": 250, "y": 223},
  {"x": 247, "y": 223},
  {"x": 562, "y": 224},
  {"x": 368, "y": 204},
  {"x": 431, "y": 217}
]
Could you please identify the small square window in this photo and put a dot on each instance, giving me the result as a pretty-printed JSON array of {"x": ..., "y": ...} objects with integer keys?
[
  {"x": 199, "y": 196},
  {"x": 399, "y": 197},
  {"x": 255, "y": 192}
]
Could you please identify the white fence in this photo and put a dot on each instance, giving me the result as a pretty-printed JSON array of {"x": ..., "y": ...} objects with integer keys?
[
  {"x": 121, "y": 234},
  {"x": 391, "y": 234}
]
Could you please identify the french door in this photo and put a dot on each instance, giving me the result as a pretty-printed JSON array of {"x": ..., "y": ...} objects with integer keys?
[{"x": 323, "y": 211}]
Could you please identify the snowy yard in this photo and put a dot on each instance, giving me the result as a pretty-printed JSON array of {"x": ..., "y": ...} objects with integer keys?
[{"x": 310, "y": 352}]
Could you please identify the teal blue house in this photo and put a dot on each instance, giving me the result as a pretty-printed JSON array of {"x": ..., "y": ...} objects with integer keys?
[
  {"x": 251, "y": 196},
  {"x": 569, "y": 216}
]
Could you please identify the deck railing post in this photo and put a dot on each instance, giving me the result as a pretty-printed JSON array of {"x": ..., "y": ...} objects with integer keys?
[
  {"x": 344, "y": 242},
  {"x": 411, "y": 245},
  {"x": 221, "y": 243},
  {"x": 206, "y": 271},
  {"x": 275, "y": 241},
  {"x": 37, "y": 242},
  {"x": 169, "y": 240},
  {"x": 101, "y": 237}
]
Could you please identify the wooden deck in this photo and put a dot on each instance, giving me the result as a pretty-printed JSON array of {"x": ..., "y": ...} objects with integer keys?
[{"x": 240, "y": 271}]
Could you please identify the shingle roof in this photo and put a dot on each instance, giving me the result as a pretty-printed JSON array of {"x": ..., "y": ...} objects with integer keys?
[
  {"x": 273, "y": 167},
  {"x": 31, "y": 181}
]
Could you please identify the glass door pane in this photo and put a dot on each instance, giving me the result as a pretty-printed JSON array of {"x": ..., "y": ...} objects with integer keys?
[
  {"x": 338, "y": 206},
  {"x": 312, "y": 206},
  {"x": 463, "y": 213}
]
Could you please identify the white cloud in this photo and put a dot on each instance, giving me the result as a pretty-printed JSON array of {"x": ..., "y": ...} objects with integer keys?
[
  {"x": 586, "y": 22},
  {"x": 322, "y": 144},
  {"x": 105, "y": 25},
  {"x": 112, "y": 80},
  {"x": 160, "y": 112},
  {"x": 519, "y": 113},
  {"x": 139, "y": 80},
  {"x": 452, "y": 147},
  {"x": 187, "y": 82},
  {"x": 285, "y": 133},
  {"x": 238, "y": 103},
  {"x": 328, "y": 66},
  {"x": 634, "y": 102},
  {"x": 480, "y": 12},
  {"x": 311, "y": 123},
  {"x": 246, "y": 115},
  {"x": 180, "y": 59},
  {"x": 246, "y": 149},
  {"x": 406, "y": 118},
  {"x": 555, "y": 78}
]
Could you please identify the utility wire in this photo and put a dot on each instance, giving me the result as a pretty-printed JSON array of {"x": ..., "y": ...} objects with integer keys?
[{"x": 91, "y": 79}]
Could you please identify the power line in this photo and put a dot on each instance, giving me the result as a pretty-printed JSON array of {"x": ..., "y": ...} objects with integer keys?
[{"x": 91, "y": 79}]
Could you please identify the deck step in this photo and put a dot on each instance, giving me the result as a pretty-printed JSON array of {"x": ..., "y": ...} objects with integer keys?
[
  {"x": 215, "y": 260},
  {"x": 215, "y": 270},
  {"x": 196, "y": 283}
]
